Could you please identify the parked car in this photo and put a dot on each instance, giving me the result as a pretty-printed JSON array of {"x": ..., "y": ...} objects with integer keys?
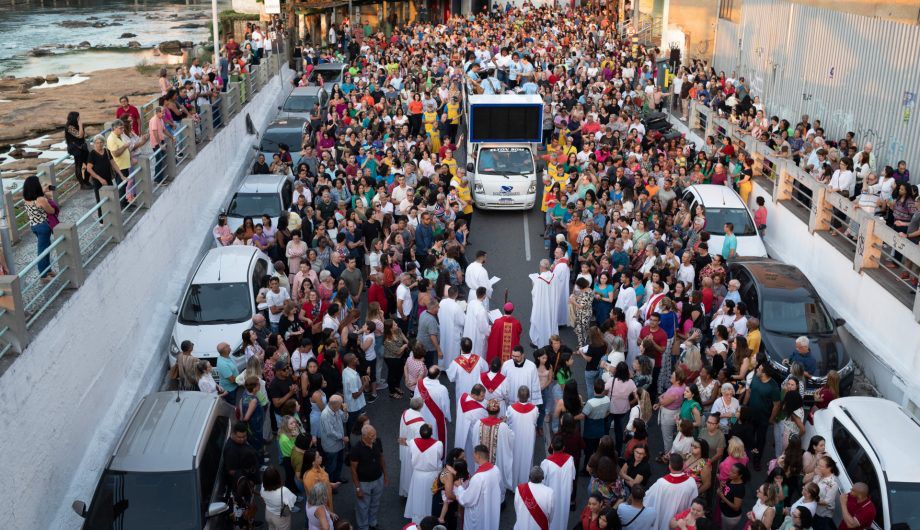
[
  {"x": 722, "y": 205},
  {"x": 287, "y": 131},
  {"x": 332, "y": 74},
  {"x": 259, "y": 195},
  {"x": 166, "y": 469},
  {"x": 871, "y": 440},
  {"x": 219, "y": 302},
  {"x": 789, "y": 307},
  {"x": 304, "y": 102}
]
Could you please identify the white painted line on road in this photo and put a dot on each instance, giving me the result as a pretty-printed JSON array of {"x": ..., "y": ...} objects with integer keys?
[{"x": 526, "y": 236}]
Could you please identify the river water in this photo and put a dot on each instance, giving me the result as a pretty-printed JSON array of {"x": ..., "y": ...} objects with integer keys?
[{"x": 40, "y": 25}]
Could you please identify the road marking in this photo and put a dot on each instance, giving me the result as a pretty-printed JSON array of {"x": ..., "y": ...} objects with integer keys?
[{"x": 526, "y": 236}]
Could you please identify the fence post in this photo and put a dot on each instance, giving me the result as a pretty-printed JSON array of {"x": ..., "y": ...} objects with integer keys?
[
  {"x": 226, "y": 107},
  {"x": 45, "y": 171},
  {"x": 10, "y": 204},
  {"x": 191, "y": 140},
  {"x": 143, "y": 182},
  {"x": 14, "y": 315},
  {"x": 171, "y": 170},
  {"x": 868, "y": 245},
  {"x": 68, "y": 252},
  {"x": 782, "y": 183},
  {"x": 207, "y": 119},
  {"x": 820, "y": 215},
  {"x": 111, "y": 213}
]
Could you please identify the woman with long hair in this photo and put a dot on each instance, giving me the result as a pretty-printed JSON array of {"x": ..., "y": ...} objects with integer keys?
[
  {"x": 75, "y": 139},
  {"x": 279, "y": 501},
  {"x": 40, "y": 211},
  {"x": 827, "y": 393}
]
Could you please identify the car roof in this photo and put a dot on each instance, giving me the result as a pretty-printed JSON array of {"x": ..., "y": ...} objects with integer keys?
[
  {"x": 716, "y": 196},
  {"x": 773, "y": 274},
  {"x": 268, "y": 183},
  {"x": 287, "y": 123},
  {"x": 225, "y": 265},
  {"x": 888, "y": 428},
  {"x": 329, "y": 66},
  {"x": 307, "y": 91},
  {"x": 165, "y": 432}
]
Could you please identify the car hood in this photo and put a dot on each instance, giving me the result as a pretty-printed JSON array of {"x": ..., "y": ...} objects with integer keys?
[
  {"x": 206, "y": 338},
  {"x": 828, "y": 350},
  {"x": 748, "y": 246},
  {"x": 493, "y": 184}
]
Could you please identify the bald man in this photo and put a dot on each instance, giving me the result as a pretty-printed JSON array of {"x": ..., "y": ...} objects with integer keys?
[
  {"x": 369, "y": 475},
  {"x": 857, "y": 509}
]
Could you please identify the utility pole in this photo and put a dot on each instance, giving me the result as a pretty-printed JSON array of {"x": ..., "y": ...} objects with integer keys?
[{"x": 216, "y": 59}]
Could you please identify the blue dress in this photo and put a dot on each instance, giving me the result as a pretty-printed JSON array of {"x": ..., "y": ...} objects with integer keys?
[{"x": 602, "y": 308}]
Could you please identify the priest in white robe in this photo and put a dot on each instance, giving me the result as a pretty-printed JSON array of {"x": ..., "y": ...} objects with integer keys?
[
  {"x": 523, "y": 372},
  {"x": 477, "y": 276},
  {"x": 522, "y": 418},
  {"x": 626, "y": 296},
  {"x": 672, "y": 493},
  {"x": 409, "y": 424},
  {"x": 561, "y": 289},
  {"x": 427, "y": 455},
  {"x": 496, "y": 385},
  {"x": 472, "y": 409},
  {"x": 480, "y": 498},
  {"x": 476, "y": 326},
  {"x": 494, "y": 433},
  {"x": 534, "y": 502},
  {"x": 436, "y": 403},
  {"x": 544, "y": 321},
  {"x": 464, "y": 371},
  {"x": 451, "y": 317},
  {"x": 559, "y": 468}
]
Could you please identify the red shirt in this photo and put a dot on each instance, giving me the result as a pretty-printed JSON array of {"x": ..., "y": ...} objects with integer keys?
[
  {"x": 586, "y": 522},
  {"x": 375, "y": 293},
  {"x": 660, "y": 338},
  {"x": 864, "y": 512},
  {"x": 135, "y": 117}
]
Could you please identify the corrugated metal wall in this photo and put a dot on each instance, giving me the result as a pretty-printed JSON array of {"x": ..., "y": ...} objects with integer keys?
[{"x": 853, "y": 73}]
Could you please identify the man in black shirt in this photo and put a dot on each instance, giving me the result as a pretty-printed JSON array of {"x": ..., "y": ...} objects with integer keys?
[
  {"x": 260, "y": 167},
  {"x": 369, "y": 475},
  {"x": 281, "y": 389},
  {"x": 239, "y": 457}
]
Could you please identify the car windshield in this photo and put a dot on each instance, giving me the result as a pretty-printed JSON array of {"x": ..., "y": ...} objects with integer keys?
[
  {"x": 145, "y": 500},
  {"x": 505, "y": 161},
  {"x": 275, "y": 137},
  {"x": 739, "y": 217},
  {"x": 796, "y": 317},
  {"x": 216, "y": 303},
  {"x": 254, "y": 205},
  {"x": 300, "y": 104},
  {"x": 903, "y": 499},
  {"x": 330, "y": 75}
]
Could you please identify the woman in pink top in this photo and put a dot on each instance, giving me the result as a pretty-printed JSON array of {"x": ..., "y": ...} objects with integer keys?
[
  {"x": 622, "y": 391},
  {"x": 668, "y": 407},
  {"x": 736, "y": 455},
  {"x": 415, "y": 367}
]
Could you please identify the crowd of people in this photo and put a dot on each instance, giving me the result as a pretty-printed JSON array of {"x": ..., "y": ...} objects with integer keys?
[{"x": 371, "y": 263}]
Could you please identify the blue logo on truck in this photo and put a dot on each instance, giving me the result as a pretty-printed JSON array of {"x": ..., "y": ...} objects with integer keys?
[{"x": 505, "y": 190}]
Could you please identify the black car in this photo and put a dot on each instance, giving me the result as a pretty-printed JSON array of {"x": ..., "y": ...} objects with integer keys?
[{"x": 788, "y": 307}]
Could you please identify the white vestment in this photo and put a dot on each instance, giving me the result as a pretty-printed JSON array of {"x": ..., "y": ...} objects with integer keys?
[
  {"x": 481, "y": 499},
  {"x": 544, "y": 495},
  {"x": 502, "y": 444},
  {"x": 440, "y": 398},
  {"x": 670, "y": 495},
  {"x": 426, "y": 464},
  {"x": 476, "y": 276},
  {"x": 524, "y": 376},
  {"x": 409, "y": 424},
  {"x": 471, "y": 411},
  {"x": 451, "y": 317},
  {"x": 522, "y": 418},
  {"x": 544, "y": 321},
  {"x": 464, "y": 372},
  {"x": 626, "y": 298},
  {"x": 476, "y": 326},
  {"x": 561, "y": 292},
  {"x": 559, "y": 472},
  {"x": 496, "y": 388}
]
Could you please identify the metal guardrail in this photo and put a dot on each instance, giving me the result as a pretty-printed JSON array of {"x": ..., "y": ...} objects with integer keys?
[{"x": 26, "y": 297}]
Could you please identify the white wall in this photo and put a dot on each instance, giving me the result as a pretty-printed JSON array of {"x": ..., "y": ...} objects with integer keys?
[{"x": 64, "y": 402}]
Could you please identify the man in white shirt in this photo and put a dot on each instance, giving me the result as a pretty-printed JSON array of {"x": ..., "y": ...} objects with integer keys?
[
  {"x": 275, "y": 297},
  {"x": 404, "y": 302},
  {"x": 353, "y": 387}
]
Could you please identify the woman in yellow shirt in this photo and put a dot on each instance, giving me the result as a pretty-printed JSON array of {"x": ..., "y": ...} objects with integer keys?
[{"x": 315, "y": 474}]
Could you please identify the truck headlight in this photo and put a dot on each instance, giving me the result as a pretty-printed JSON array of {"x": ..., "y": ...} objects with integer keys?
[
  {"x": 846, "y": 370},
  {"x": 173, "y": 347},
  {"x": 477, "y": 188},
  {"x": 532, "y": 188}
]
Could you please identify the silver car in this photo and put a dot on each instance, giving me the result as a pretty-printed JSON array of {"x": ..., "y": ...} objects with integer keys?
[
  {"x": 332, "y": 74},
  {"x": 305, "y": 102}
]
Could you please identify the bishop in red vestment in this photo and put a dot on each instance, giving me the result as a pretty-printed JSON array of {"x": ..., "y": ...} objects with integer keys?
[{"x": 504, "y": 335}]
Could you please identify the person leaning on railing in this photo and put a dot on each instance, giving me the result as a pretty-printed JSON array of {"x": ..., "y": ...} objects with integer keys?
[{"x": 39, "y": 210}]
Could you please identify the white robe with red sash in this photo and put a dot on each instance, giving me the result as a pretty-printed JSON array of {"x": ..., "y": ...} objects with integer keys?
[
  {"x": 561, "y": 291},
  {"x": 471, "y": 411},
  {"x": 559, "y": 472},
  {"x": 464, "y": 372},
  {"x": 426, "y": 456},
  {"x": 496, "y": 388},
  {"x": 533, "y": 506},
  {"x": 409, "y": 424},
  {"x": 670, "y": 495},
  {"x": 522, "y": 418},
  {"x": 481, "y": 499},
  {"x": 544, "y": 320},
  {"x": 525, "y": 375},
  {"x": 495, "y": 434},
  {"x": 436, "y": 409}
]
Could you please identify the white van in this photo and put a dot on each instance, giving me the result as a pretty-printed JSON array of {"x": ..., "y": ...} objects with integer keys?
[{"x": 722, "y": 205}]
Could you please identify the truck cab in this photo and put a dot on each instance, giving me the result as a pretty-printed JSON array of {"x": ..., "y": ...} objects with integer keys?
[{"x": 504, "y": 132}]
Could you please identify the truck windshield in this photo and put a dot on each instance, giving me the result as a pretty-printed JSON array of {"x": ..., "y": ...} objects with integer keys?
[
  {"x": 146, "y": 500},
  {"x": 505, "y": 161}
]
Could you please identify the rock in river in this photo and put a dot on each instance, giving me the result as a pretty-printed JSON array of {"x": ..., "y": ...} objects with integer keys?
[
  {"x": 39, "y": 52},
  {"x": 134, "y": 44},
  {"x": 127, "y": 36},
  {"x": 172, "y": 47},
  {"x": 51, "y": 79}
]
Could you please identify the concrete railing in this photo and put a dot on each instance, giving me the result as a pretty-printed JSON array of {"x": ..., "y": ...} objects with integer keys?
[
  {"x": 862, "y": 237},
  {"x": 25, "y": 297}
]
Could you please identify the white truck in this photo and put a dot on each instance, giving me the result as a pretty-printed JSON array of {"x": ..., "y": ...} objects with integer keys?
[{"x": 504, "y": 132}]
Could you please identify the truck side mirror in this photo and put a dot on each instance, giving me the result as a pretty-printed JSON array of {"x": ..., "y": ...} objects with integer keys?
[
  {"x": 469, "y": 166},
  {"x": 217, "y": 508},
  {"x": 79, "y": 507}
]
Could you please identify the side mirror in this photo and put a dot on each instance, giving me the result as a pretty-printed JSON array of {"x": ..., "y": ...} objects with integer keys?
[
  {"x": 79, "y": 507},
  {"x": 217, "y": 508},
  {"x": 279, "y": 107},
  {"x": 469, "y": 166},
  {"x": 839, "y": 322},
  {"x": 174, "y": 310}
]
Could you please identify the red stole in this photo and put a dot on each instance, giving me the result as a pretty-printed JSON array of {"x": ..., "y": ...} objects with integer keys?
[
  {"x": 467, "y": 362},
  {"x": 559, "y": 458},
  {"x": 485, "y": 467},
  {"x": 558, "y": 261},
  {"x": 467, "y": 403},
  {"x": 677, "y": 479},
  {"x": 491, "y": 421},
  {"x": 491, "y": 384},
  {"x": 652, "y": 304},
  {"x": 434, "y": 409},
  {"x": 424, "y": 444},
  {"x": 523, "y": 408},
  {"x": 504, "y": 335},
  {"x": 531, "y": 503}
]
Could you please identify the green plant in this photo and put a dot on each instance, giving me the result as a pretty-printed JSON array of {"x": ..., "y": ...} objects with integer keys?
[{"x": 144, "y": 68}]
